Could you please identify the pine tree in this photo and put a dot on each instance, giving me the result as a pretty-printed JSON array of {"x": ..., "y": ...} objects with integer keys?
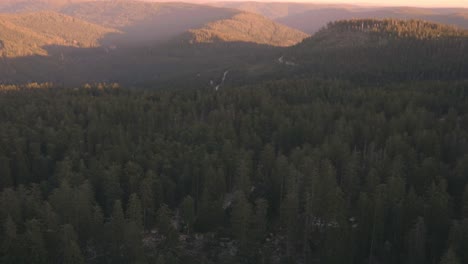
[
  {"x": 36, "y": 244},
  {"x": 111, "y": 187},
  {"x": 464, "y": 205},
  {"x": 83, "y": 203},
  {"x": 241, "y": 218},
  {"x": 97, "y": 227},
  {"x": 10, "y": 249},
  {"x": 289, "y": 214},
  {"x": 117, "y": 225},
  {"x": 163, "y": 219},
  {"x": 260, "y": 220},
  {"x": 150, "y": 193},
  {"x": 133, "y": 242},
  {"x": 71, "y": 251},
  {"x": 6, "y": 179},
  {"x": 134, "y": 211},
  {"x": 463, "y": 242},
  {"x": 133, "y": 174},
  {"x": 243, "y": 182},
  {"x": 187, "y": 210},
  {"x": 449, "y": 257},
  {"x": 160, "y": 259},
  {"x": 9, "y": 228},
  {"x": 416, "y": 242},
  {"x": 62, "y": 200}
]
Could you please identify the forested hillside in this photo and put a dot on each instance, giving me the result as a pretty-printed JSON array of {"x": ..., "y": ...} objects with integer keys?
[
  {"x": 246, "y": 27},
  {"x": 172, "y": 133},
  {"x": 362, "y": 50},
  {"x": 146, "y": 23},
  {"x": 383, "y": 50},
  {"x": 311, "y": 17},
  {"x": 31, "y": 33},
  {"x": 311, "y": 21},
  {"x": 302, "y": 171}
]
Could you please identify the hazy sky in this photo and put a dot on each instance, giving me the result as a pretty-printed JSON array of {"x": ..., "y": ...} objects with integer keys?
[
  {"x": 438, "y": 3},
  {"x": 422, "y": 3}
]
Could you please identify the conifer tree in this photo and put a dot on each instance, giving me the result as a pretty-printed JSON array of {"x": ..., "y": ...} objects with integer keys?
[
  {"x": 134, "y": 211},
  {"x": 187, "y": 210},
  {"x": 449, "y": 257}
]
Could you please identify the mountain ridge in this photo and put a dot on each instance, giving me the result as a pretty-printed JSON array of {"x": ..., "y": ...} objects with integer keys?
[
  {"x": 246, "y": 27},
  {"x": 28, "y": 33}
]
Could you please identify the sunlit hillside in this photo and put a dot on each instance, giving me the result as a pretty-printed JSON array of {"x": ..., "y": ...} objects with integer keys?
[
  {"x": 30, "y": 33},
  {"x": 247, "y": 27}
]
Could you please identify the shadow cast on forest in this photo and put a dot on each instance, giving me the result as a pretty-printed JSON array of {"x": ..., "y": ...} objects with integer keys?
[
  {"x": 133, "y": 65},
  {"x": 147, "y": 50}
]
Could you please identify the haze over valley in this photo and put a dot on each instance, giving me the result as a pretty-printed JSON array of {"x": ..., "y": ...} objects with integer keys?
[{"x": 74, "y": 42}]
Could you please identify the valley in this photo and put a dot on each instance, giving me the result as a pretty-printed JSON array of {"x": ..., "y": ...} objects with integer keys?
[{"x": 111, "y": 35}]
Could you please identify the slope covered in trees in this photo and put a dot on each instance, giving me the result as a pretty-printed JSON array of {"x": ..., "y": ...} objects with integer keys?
[
  {"x": 147, "y": 23},
  {"x": 246, "y": 27},
  {"x": 384, "y": 50},
  {"x": 29, "y": 33},
  {"x": 311, "y": 21},
  {"x": 278, "y": 10},
  {"x": 284, "y": 172},
  {"x": 311, "y": 17},
  {"x": 350, "y": 147}
]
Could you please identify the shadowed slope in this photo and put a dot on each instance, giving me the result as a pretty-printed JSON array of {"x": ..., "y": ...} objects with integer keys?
[{"x": 384, "y": 50}]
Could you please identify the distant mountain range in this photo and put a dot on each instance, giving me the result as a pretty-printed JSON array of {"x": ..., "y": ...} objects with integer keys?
[
  {"x": 143, "y": 23},
  {"x": 133, "y": 41},
  {"x": 310, "y": 17},
  {"x": 141, "y": 42}
]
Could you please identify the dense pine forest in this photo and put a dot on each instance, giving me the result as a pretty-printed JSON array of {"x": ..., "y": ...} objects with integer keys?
[
  {"x": 293, "y": 171},
  {"x": 383, "y": 51}
]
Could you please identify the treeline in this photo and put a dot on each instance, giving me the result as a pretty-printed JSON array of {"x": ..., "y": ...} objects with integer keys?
[
  {"x": 382, "y": 51},
  {"x": 397, "y": 28},
  {"x": 246, "y": 28},
  {"x": 283, "y": 172}
]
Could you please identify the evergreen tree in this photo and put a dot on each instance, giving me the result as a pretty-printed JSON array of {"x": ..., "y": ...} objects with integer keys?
[
  {"x": 117, "y": 225},
  {"x": 147, "y": 199},
  {"x": 163, "y": 219},
  {"x": 71, "y": 251},
  {"x": 134, "y": 211},
  {"x": 449, "y": 257},
  {"x": 260, "y": 220},
  {"x": 464, "y": 205},
  {"x": 241, "y": 217},
  {"x": 6, "y": 179},
  {"x": 36, "y": 244},
  {"x": 187, "y": 210},
  {"x": 243, "y": 182},
  {"x": 417, "y": 243}
]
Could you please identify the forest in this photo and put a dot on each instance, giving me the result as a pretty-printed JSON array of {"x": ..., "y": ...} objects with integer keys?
[
  {"x": 286, "y": 171},
  {"x": 229, "y": 138}
]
